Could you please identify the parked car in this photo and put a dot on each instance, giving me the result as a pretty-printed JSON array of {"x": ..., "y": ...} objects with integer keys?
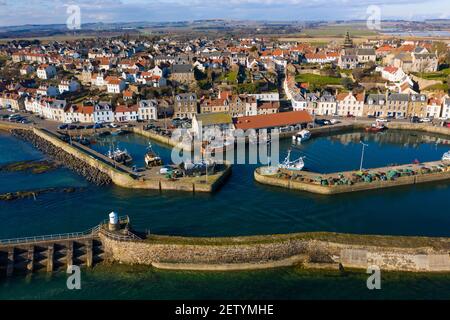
[
  {"x": 425, "y": 120},
  {"x": 415, "y": 119},
  {"x": 98, "y": 126},
  {"x": 382, "y": 120},
  {"x": 63, "y": 126},
  {"x": 334, "y": 121}
]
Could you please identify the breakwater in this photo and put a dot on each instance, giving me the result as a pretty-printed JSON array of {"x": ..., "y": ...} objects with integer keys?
[
  {"x": 311, "y": 250},
  {"x": 91, "y": 173},
  {"x": 352, "y": 181}
]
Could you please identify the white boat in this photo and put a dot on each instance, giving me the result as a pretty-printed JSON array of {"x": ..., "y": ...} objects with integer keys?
[
  {"x": 302, "y": 136},
  {"x": 296, "y": 165},
  {"x": 151, "y": 158},
  {"x": 446, "y": 156}
]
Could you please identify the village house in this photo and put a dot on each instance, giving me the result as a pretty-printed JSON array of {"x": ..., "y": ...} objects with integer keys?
[
  {"x": 268, "y": 107},
  {"x": 214, "y": 105},
  {"x": 115, "y": 85},
  {"x": 125, "y": 113},
  {"x": 83, "y": 113},
  {"x": 54, "y": 110},
  {"x": 47, "y": 90},
  {"x": 446, "y": 109},
  {"x": 148, "y": 110},
  {"x": 397, "y": 105},
  {"x": 46, "y": 71},
  {"x": 68, "y": 86},
  {"x": 375, "y": 105},
  {"x": 185, "y": 105},
  {"x": 326, "y": 105},
  {"x": 349, "y": 104},
  {"x": 434, "y": 107},
  {"x": 26, "y": 70},
  {"x": 211, "y": 122},
  {"x": 103, "y": 112},
  {"x": 11, "y": 100},
  {"x": 417, "y": 106},
  {"x": 182, "y": 73}
]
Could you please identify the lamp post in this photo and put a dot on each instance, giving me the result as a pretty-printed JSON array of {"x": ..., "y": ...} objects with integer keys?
[{"x": 362, "y": 154}]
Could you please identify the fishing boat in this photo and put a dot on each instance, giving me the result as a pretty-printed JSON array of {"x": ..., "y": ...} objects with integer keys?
[
  {"x": 120, "y": 156},
  {"x": 446, "y": 156},
  {"x": 376, "y": 127},
  {"x": 151, "y": 158},
  {"x": 302, "y": 136},
  {"x": 296, "y": 165}
]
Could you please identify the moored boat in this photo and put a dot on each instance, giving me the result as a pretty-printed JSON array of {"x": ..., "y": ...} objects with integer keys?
[
  {"x": 301, "y": 136},
  {"x": 151, "y": 158},
  {"x": 446, "y": 156},
  {"x": 296, "y": 165},
  {"x": 376, "y": 127},
  {"x": 120, "y": 156}
]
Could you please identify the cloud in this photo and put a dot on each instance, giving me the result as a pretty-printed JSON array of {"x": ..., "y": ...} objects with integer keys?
[{"x": 54, "y": 11}]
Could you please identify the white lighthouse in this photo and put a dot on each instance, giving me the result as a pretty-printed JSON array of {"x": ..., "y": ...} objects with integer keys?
[{"x": 113, "y": 221}]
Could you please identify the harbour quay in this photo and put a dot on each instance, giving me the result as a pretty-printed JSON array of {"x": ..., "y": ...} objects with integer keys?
[{"x": 119, "y": 174}]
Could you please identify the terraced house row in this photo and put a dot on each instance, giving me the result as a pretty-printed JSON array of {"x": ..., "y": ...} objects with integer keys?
[{"x": 389, "y": 104}]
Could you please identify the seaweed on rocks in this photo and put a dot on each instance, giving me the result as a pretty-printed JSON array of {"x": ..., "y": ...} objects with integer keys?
[{"x": 91, "y": 174}]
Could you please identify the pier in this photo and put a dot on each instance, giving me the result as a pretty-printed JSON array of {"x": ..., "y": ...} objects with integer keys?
[
  {"x": 57, "y": 252},
  {"x": 116, "y": 242}
]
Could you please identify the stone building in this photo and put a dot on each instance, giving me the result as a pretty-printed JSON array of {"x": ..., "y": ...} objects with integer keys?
[{"x": 185, "y": 105}]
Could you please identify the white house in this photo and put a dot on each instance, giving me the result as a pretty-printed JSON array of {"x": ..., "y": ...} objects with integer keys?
[
  {"x": 54, "y": 110},
  {"x": 434, "y": 107},
  {"x": 27, "y": 69},
  {"x": 68, "y": 86},
  {"x": 326, "y": 105},
  {"x": 350, "y": 105},
  {"x": 266, "y": 96},
  {"x": 148, "y": 110},
  {"x": 46, "y": 71},
  {"x": 79, "y": 113},
  {"x": 124, "y": 113},
  {"x": 298, "y": 102},
  {"x": 103, "y": 112},
  {"x": 115, "y": 85},
  {"x": 45, "y": 90}
]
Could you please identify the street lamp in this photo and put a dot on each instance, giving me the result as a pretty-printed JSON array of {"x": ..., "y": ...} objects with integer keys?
[{"x": 362, "y": 154}]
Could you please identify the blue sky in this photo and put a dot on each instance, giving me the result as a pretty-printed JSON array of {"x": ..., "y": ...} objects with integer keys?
[{"x": 19, "y": 12}]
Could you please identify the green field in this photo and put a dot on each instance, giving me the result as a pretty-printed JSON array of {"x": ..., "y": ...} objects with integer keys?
[
  {"x": 338, "y": 31},
  {"x": 317, "y": 80}
]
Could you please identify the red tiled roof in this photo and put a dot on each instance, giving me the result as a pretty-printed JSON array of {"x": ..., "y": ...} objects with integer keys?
[{"x": 273, "y": 120}]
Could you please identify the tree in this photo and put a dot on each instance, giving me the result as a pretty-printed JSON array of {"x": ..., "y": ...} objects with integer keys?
[{"x": 347, "y": 83}]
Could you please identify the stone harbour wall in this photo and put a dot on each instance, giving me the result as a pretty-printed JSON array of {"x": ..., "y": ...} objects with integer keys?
[
  {"x": 91, "y": 173},
  {"x": 275, "y": 253}
]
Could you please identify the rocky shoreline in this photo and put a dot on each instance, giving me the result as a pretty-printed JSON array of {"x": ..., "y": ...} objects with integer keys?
[
  {"x": 10, "y": 196},
  {"x": 91, "y": 174}
]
